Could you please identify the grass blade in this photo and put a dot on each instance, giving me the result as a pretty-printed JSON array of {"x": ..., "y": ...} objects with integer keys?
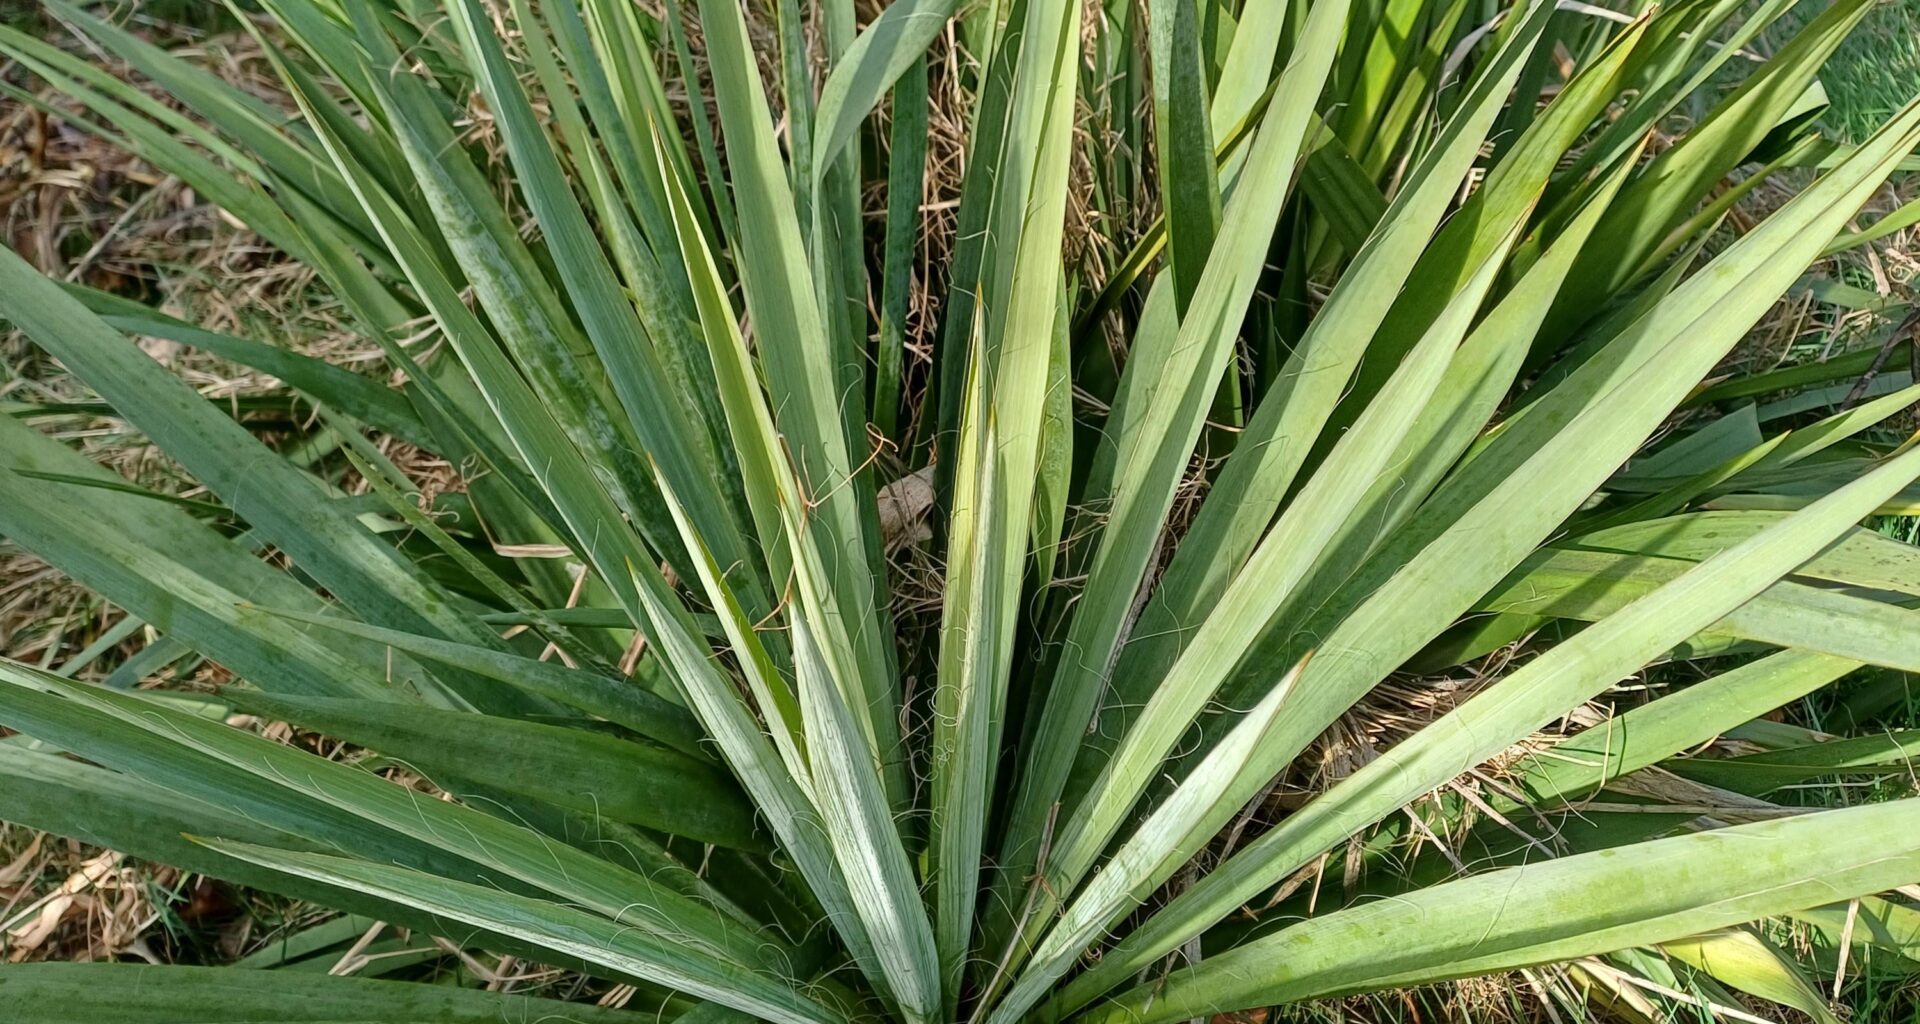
[
  {"x": 607, "y": 945},
  {"x": 1555, "y": 910},
  {"x": 51, "y": 993}
]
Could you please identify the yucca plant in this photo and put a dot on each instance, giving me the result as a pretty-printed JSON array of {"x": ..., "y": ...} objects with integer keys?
[{"x": 1399, "y": 290}]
